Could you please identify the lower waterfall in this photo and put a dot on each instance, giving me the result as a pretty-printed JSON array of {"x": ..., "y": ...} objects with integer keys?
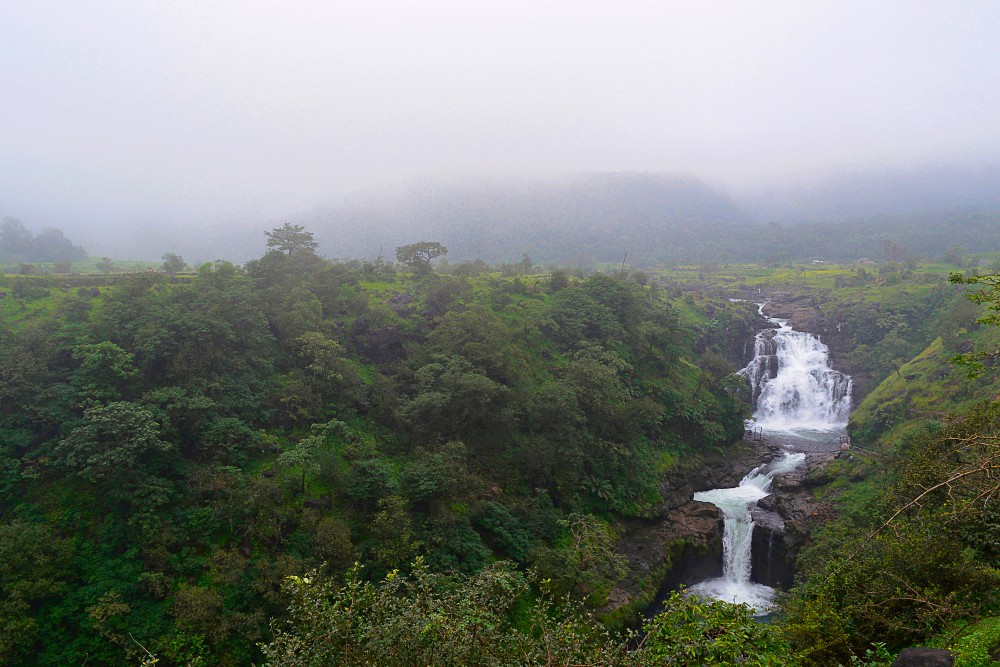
[{"x": 735, "y": 585}]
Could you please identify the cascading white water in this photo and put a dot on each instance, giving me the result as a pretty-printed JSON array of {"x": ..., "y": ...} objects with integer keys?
[
  {"x": 797, "y": 393},
  {"x": 793, "y": 386},
  {"x": 734, "y": 585}
]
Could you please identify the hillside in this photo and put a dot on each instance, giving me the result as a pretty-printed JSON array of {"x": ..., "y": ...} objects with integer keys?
[
  {"x": 578, "y": 219},
  {"x": 655, "y": 218},
  {"x": 912, "y": 554},
  {"x": 173, "y": 448},
  {"x": 589, "y": 219}
]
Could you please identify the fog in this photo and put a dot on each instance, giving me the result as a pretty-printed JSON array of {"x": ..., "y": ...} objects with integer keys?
[{"x": 120, "y": 116}]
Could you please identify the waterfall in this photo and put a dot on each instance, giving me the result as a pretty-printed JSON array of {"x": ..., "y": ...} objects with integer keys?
[
  {"x": 735, "y": 584},
  {"x": 793, "y": 387},
  {"x": 796, "y": 393}
]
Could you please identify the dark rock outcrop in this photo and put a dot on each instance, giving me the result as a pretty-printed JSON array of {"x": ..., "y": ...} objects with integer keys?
[
  {"x": 793, "y": 500},
  {"x": 804, "y": 314},
  {"x": 770, "y": 563},
  {"x": 924, "y": 657},
  {"x": 783, "y": 520},
  {"x": 688, "y": 538},
  {"x": 697, "y": 524},
  {"x": 801, "y": 311},
  {"x": 717, "y": 472},
  {"x": 766, "y": 366}
]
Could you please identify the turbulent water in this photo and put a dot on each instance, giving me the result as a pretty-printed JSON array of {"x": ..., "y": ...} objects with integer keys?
[
  {"x": 735, "y": 585},
  {"x": 796, "y": 393},
  {"x": 794, "y": 388}
]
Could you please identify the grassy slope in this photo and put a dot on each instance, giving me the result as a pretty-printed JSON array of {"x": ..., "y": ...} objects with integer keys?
[{"x": 927, "y": 388}]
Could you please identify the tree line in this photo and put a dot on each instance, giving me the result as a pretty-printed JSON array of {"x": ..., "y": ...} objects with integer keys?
[{"x": 19, "y": 244}]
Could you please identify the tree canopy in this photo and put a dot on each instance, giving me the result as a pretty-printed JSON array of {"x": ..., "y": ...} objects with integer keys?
[
  {"x": 290, "y": 239},
  {"x": 193, "y": 465},
  {"x": 419, "y": 255},
  {"x": 18, "y": 244},
  {"x": 173, "y": 263}
]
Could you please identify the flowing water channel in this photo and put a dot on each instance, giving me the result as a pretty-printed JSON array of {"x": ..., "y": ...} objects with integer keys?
[{"x": 800, "y": 402}]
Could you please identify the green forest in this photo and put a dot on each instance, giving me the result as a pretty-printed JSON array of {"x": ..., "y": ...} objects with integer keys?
[{"x": 300, "y": 461}]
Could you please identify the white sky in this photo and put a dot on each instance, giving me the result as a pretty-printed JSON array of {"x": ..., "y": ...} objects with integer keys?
[{"x": 189, "y": 110}]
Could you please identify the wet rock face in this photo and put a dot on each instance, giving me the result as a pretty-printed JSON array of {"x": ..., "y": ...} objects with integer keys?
[
  {"x": 697, "y": 523},
  {"x": 688, "y": 540},
  {"x": 764, "y": 366},
  {"x": 783, "y": 520},
  {"x": 804, "y": 314},
  {"x": 723, "y": 471},
  {"x": 770, "y": 562},
  {"x": 687, "y": 534}
]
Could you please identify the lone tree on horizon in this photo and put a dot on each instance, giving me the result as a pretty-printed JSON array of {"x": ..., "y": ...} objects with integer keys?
[
  {"x": 290, "y": 239},
  {"x": 419, "y": 255},
  {"x": 173, "y": 263}
]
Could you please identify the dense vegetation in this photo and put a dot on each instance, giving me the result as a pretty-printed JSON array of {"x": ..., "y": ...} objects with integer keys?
[
  {"x": 174, "y": 448},
  {"x": 191, "y": 466},
  {"x": 912, "y": 555},
  {"x": 914, "y": 552},
  {"x": 874, "y": 317}
]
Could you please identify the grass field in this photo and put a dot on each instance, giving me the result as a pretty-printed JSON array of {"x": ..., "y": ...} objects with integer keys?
[{"x": 88, "y": 265}]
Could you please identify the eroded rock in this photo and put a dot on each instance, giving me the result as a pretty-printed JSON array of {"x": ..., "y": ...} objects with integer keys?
[{"x": 683, "y": 545}]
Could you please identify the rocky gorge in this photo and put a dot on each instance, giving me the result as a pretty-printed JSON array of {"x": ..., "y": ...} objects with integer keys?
[
  {"x": 682, "y": 544},
  {"x": 803, "y": 404}
]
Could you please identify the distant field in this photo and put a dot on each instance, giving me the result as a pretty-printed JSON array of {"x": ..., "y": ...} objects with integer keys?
[
  {"x": 88, "y": 265},
  {"x": 819, "y": 276}
]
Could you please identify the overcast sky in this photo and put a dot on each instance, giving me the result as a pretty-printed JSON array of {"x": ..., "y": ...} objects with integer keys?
[{"x": 191, "y": 110}]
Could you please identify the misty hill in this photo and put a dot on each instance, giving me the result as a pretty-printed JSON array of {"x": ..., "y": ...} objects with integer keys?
[
  {"x": 598, "y": 217},
  {"x": 900, "y": 192},
  {"x": 654, "y": 217},
  {"x": 924, "y": 235},
  {"x": 19, "y": 244},
  {"x": 581, "y": 218}
]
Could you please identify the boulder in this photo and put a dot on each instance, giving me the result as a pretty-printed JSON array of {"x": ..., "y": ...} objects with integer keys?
[
  {"x": 402, "y": 303},
  {"x": 722, "y": 470},
  {"x": 924, "y": 657},
  {"x": 682, "y": 541},
  {"x": 802, "y": 311},
  {"x": 696, "y": 523}
]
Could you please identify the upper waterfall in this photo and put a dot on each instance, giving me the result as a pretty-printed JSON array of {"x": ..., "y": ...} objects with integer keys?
[{"x": 793, "y": 386}]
